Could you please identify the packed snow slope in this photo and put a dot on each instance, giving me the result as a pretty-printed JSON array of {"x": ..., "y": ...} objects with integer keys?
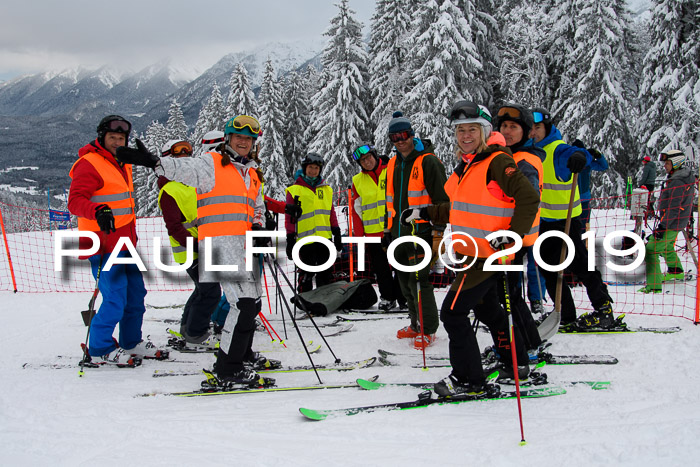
[{"x": 649, "y": 416}]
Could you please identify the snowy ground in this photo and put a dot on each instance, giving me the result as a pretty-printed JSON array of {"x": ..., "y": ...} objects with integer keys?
[{"x": 650, "y": 416}]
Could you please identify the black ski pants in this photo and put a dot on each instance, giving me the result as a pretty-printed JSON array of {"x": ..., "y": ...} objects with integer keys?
[
  {"x": 465, "y": 355},
  {"x": 550, "y": 250}
]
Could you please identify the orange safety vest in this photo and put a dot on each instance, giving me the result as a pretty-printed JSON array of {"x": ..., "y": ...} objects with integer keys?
[
  {"x": 536, "y": 162},
  {"x": 417, "y": 195},
  {"x": 475, "y": 210},
  {"x": 229, "y": 208},
  {"x": 116, "y": 192}
]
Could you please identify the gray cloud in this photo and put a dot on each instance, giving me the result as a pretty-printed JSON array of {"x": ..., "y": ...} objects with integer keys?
[{"x": 43, "y": 35}]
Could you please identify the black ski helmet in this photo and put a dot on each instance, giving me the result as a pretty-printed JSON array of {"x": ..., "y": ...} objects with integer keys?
[
  {"x": 114, "y": 124},
  {"x": 518, "y": 114},
  {"x": 362, "y": 149},
  {"x": 311, "y": 158},
  {"x": 542, "y": 115}
]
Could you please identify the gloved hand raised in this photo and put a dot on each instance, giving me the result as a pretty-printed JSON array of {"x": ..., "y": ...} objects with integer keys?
[
  {"x": 291, "y": 240},
  {"x": 261, "y": 241},
  {"x": 595, "y": 153},
  {"x": 576, "y": 162},
  {"x": 413, "y": 214},
  {"x": 105, "y": 218},
  {"x": 139, "y": 156},
  {"x": 659, "y": 232}
]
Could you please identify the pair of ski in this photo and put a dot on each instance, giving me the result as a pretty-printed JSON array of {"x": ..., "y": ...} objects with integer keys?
[{"x": 388, "y": 358}]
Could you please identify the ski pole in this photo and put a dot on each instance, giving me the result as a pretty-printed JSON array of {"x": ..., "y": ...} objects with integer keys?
[
  {"x": 513, "y": 353},
  {"x": 420, "y": 296},
  {"x": 265, "y": 321},
  {"x": 296, "y": 326},
  {"x": 303, "y": 307},
  {"x": 91, "y": 313}
]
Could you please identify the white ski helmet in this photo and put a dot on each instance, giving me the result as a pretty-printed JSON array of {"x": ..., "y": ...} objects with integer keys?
[{"x": 211, "y": 140}]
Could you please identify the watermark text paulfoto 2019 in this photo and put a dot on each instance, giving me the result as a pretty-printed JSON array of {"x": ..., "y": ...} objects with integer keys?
[{"x": 491, "y": 262}]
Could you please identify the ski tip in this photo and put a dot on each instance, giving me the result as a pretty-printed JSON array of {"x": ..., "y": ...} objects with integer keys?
[
  {"x": 311, "y": 414},
  {"x": 368, "y": 384}
]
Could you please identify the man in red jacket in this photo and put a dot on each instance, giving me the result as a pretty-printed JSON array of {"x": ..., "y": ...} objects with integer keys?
[{"x": 101, "y": 196}]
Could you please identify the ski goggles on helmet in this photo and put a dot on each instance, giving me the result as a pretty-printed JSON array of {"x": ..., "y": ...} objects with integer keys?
[
  {"x": 361, "y": 151},
  {"x": 182, "y": 148},
  {"x": 540, "y": 117},
  {"x": 400, "y": 136},
  {"x": 467, "y": 110},
  {"x": 243, "y": 121},
  {"x": 664, "y": 156},
  {"x": 509, "y": 112},
  {"x": 118, "y": 126}
]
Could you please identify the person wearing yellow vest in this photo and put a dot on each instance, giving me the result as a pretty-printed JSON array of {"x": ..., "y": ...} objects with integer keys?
[
  {"x": 561, "y": 162},
  {"x": 101, "y": 196},
  {"x": 229, "y": 203},
  {"x": 178, "y": 203},
  {"x": 310, "y": 212},
  {"x": 487, "y": 193},
  {"x": 368, "y": 201},
  {"x": 514, "y": 122},
  {"x": 415, "y": 191}
]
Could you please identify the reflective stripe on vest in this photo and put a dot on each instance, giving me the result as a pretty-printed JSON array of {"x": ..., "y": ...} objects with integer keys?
[
  {"x": 417, "y": 195},
  {"x": 116, "y": 192},
  {"x": 316, "y": 210},
  {"x": 186, "y": 199},
  {"x": 530, "y": 238},
  {"x": 219, "y": 213},
  {"x": 556, "y": 194},
  {"x": 373, "y": 196},
  {"x": 475, "y": 211}
]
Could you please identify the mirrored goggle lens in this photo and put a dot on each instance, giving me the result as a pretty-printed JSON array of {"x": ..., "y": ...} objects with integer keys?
[
  {"x": 184, "y": 148},
  {"x": 119, "y": 126},
  {"x": 361, "y": 151},
  {"x": 243, "y": 121},
  {"x": 508, "y": 112},
  {"x": 663, "y": 157},
  {"x": 537, "y": 117},
  {"x": 401, "y": 136}
]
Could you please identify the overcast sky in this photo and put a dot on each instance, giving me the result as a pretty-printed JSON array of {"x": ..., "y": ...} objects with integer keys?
[{"x": 39, "y": 35}]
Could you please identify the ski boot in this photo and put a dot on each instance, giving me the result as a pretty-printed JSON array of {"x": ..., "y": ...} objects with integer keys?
[
  {"x": 452, "y": 388},
  {"x": 386, "y": 305},
  {"x": 147, "y": 350},
  {"x": 672, "y": 277},
  {"x": 259, "y": 362},
  {"x": 240, "y": 380},
  {"x": 648, "y": 289}
]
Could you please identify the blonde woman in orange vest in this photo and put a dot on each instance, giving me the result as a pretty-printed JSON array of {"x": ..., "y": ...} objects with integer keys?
[
  {"x": 415, "y": 192},
  {"x": 101, "y": 196},
  {"x": 229, "y": 203},
  {"x": 487, "y": 193}
]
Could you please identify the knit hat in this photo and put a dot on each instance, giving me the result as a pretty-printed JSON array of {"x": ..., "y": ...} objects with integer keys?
[
  {"x": 400, "y": 123},
  {"x": 647, "y": 159}
]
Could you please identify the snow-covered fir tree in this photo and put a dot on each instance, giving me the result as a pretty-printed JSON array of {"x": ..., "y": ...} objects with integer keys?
[
  {"x": 389, "y": 53},
  {"x": 480, "y": 14},
  {"x": 446, "y": 67},
  {"x": 670, "y": 90},
  {"x": 145, "y": 179},
  {"x": 558, "y": 20},
  {"x": 274, "y": 164},
  {"x": 340, "y": 114},
  {"x": 177, "y": 128},
  {"x": 240, "y": 100},
  {"x": 523, "y": 69},
  {"x": 297, "y": 105},
  {"x": 312, "y": 80},
  {"x": 600, "y": 109},
  {"x": 211, "y": 117}
]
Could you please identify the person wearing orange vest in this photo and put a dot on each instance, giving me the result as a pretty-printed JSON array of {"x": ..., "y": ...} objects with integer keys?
[
  {"x": 229, "y": 203},
  {"x": 514, "y": 122},
  {"x": 368, "y": 202},
  {"x": 415, "y": 194},
  {"x": 101, "y": 197},
  {"x": 178, "y": 203},
  {"x": 487, "y": 194}
]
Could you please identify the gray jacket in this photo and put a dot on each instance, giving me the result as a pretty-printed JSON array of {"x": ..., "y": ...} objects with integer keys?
[
  {"x": 648, "y": 175},
  {"x": 676, "y": 200},
  {"x": 198, "y": 172}
]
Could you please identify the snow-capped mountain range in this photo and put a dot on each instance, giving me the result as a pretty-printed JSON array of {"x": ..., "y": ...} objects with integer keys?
[{"x": 45, "y": 118}]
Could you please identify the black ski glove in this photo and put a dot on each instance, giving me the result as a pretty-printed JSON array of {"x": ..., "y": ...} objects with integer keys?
[
  {"x": 140, "y": 156},
  {"x": 261, "y": 241},
  {"x": 576, "y": 162},
  {"x": 595, "y": 153},
  {"x": 498, "y": 242},
  {"x": 659, "y": 232},
  {"x": 105, "y": 218},
  {"x": 293, "y": 211},
  {"x": 291, "y": 240}
]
